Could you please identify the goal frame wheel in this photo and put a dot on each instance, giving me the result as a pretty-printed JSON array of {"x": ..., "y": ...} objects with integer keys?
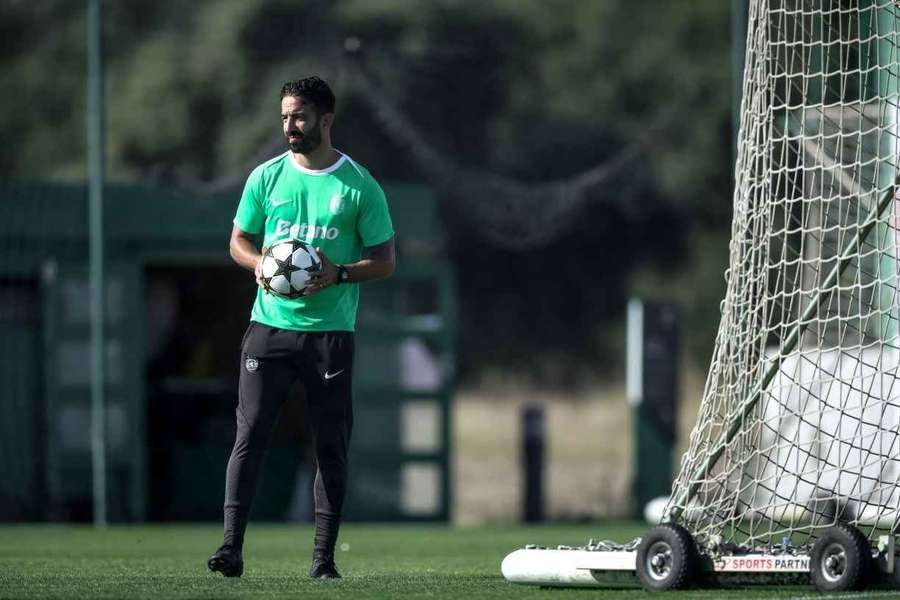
[
  {"x": 840, "y": 560},
  {"x": 667, "y": 559}
]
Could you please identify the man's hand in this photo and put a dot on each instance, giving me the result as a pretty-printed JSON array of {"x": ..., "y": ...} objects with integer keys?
[
  {"x": 257, "y": 271},
  {"x": 377, "y": 263},
  {"x": 324, "y": 277}
]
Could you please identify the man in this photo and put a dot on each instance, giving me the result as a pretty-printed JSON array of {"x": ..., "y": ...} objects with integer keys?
[{"x": 315, "y": 193}]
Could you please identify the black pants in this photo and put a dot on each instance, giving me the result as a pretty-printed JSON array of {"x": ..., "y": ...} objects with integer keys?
[{"x": 272, "y": 360}]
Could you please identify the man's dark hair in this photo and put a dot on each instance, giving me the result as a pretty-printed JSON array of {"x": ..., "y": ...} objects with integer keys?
[{"x": 313, "y": 90}]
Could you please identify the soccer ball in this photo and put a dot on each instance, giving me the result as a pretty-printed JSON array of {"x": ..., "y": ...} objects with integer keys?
[
  {"x": 654, "y": 510},
  {"x": 287, "y": 267}
]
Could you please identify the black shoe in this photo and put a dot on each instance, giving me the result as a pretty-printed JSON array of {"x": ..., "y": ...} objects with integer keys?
[
  {"x": 323, "y": 567},
  {"x": 227, "y": 561}
]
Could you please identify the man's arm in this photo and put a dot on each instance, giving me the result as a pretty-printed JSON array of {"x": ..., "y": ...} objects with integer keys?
[
  {"x": 242, "y": 248},
  {"x": 377, "y": 263}
]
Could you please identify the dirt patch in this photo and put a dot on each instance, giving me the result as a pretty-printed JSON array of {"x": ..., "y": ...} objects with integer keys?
[{"x": 589, "y": 457}]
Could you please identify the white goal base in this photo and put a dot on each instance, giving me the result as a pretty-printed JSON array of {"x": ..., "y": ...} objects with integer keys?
[
  {"x": 599, "y": 568},
  {"x": 568, "y": 568}
]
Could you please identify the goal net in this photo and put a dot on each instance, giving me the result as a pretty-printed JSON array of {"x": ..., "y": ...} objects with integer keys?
[{"x": 799, "y": 426}]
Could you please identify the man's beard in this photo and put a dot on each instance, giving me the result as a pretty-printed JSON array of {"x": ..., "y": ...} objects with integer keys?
[{"x": 308, "y": 142}]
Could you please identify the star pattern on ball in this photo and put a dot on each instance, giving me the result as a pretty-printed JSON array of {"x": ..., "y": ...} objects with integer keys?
[{"x": 285, "y": 267}]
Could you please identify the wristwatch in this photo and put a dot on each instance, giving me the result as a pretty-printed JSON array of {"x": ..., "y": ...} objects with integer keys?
[{"x": 343, "y": 275}]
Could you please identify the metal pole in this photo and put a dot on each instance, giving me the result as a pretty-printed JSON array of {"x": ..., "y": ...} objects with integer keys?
[
  {"x": 95, "y": 141},
  {"x": 533, "y": 438},
  {"x": 739, "y": 9},
  {"x": 652, "y": 390}
]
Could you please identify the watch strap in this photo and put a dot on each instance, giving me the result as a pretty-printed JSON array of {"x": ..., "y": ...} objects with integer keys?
[{"x": 343, "y": 275}]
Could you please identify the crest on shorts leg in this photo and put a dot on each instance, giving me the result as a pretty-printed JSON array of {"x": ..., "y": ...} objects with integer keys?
[{"x": 251, "y": 364}]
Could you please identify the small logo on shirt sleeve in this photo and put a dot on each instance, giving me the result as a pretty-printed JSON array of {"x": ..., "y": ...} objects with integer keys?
[{"x": 251, "y": 364}]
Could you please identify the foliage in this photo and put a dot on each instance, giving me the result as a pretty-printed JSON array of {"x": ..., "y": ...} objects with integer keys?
[{"x": 529, "y": 89}]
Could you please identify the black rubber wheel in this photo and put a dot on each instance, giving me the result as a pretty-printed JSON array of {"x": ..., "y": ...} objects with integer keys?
[
  {"x": 841, "y": 559},
  {"x": 667, "y": 559}
]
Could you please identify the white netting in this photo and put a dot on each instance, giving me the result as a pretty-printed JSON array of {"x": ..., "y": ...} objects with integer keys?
[{"x": 800, "y": 420}]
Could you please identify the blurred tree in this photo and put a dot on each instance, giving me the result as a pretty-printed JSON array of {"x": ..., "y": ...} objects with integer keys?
[{"x": 515, "y": 93}]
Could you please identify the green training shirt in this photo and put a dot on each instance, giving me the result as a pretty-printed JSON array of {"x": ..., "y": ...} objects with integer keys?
[{"x": 340, "y": 209}]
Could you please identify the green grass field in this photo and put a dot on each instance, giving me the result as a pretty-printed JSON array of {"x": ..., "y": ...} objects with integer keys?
[{"x": 383, "y": 561}]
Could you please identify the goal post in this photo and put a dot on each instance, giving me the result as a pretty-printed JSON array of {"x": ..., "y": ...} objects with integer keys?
[
  {"x": 800, "y": 402},
  {"x": 746, "y": 409},
  {"x": 793, "y": 464}
]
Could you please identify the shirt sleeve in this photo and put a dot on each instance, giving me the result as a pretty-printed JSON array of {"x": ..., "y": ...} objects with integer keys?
[
  {"x": 251, "y": 214},
  {"x": 374, "y": 224}
]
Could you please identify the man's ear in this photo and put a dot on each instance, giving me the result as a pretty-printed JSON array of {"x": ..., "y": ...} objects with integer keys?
[{"x": 327, "y": 120}]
